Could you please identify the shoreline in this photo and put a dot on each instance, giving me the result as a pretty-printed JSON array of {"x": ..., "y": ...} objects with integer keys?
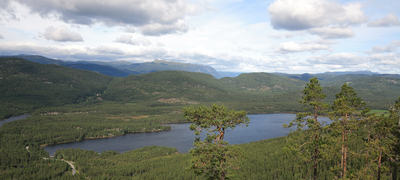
[
  {"x": 153, "y": 131},
  {"x": 14, "y": 118},
  {"x": 104, "y": 137},
  {"x": 158, "y": 139}
]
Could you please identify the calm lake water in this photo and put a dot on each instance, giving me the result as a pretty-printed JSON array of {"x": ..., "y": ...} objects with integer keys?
[
  {"x": 262, "y": 126},
  {"x": 13, "y": 119}
]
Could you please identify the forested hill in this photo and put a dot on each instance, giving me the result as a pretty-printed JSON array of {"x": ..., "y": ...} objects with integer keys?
[
  {"x": 26, "y": 85},
  {"x": 377, "y": 90},
  {"x": 160, "y": 65}
]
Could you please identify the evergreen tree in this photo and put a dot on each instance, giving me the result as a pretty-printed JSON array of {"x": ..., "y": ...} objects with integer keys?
[
  {"x": 395, "y": 117},
  {"x": 347, "y": 109},
  {"x": 212, "y": 157},
  {"x": 313, "y": 101},
  {"x": 378, "y": 146}
]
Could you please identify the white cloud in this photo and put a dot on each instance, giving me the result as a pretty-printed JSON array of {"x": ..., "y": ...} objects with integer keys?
[
  {"x": 306, "y": 14},
  {"x": 291, "y": 47},
  {"x": 387, "y": 59},
  {"x": 132, "y": 40},
  {"x": 1, "y": 36},
  {"x": 332, "y": 32},
  {"x": 136, "y": 13},
  {"x": 160, "y": 29},
  {"x": 339, "y": 59},
  {"x": 391, "y": 47},
  {"x": 386, "y": 62},
  {"x": 62, "y": 34},
  {"x": 71, "y": 52},
  {"x": 389, "y": 20}
]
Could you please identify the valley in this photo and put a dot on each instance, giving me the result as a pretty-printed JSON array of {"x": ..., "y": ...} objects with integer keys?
[
  {"x": 68, "y": 105},
  {"x": 199, "y": 90}
]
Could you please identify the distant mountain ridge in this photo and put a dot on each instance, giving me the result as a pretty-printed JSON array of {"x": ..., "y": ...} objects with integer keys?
[
  {"x": 161, "y": 65},
  {"x": 328, "y": 75},
  {"x": 122, "y": 69},
  {"x": 83, "y": 65}
]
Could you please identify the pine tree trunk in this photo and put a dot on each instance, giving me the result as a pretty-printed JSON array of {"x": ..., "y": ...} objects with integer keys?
[
  {"x": 379, "y": 164},
  {"x": 367, "y": 153},
  {"x": 220, "y": 137},
  {"x": 394, "y": 171},
  {"x": 399, "y": 122},
  {"x": 316, "y": 154},
  {"x": 342, "y": 160},
  {"x": 316, "y": 148},
  {"x": 344, "y": 147},
  {"x": 345, "y": 159},
  {"x": 222, "y": 175}
]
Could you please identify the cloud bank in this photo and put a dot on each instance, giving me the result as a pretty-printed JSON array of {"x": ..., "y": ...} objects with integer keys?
[
  {"x": 332, "y": 33},
  {"x": 290, "y": 47},
  {"x": 132, "y": 40},
  {"x": 387, "y": 21},
  {"x": 61, "y": 34},
  {"x": 162, "y": 16},
  {"x": 307, "y": 14}
]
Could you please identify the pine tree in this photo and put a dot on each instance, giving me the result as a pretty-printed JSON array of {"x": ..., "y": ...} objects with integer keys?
[
  {"x": 395, "y": 117},
  {"x": 347, "y": 109},
  {"x": 211, "y": 156},
  {"x": 378, "y": 145},
  {"x": 308, "y": 122}
]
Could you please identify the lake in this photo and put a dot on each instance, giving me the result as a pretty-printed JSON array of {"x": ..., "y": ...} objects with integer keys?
[
  {"x": 14, "y": 118},
  {"x": 262, "y": 126}
]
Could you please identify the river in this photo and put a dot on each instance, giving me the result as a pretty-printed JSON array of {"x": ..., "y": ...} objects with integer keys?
[{"x": 261, "y": 126}]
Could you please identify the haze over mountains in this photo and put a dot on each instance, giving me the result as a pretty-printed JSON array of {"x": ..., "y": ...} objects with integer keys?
[{"x": 125, "y": 68}]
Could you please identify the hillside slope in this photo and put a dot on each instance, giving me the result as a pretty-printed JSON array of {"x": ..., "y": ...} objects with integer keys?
[
  {"x": 168, "y": 87},
  {"x": 256, "y": 93},
  {"x": 263, "y": 83},
  {"x": 160, "y": 65},
  {"x": 102, "y": 69},
  {"x": 26, "y": 85},
  {"x": 377, "y": 90}
]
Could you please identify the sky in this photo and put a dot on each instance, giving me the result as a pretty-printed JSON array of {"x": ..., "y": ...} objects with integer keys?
[{"x": 288, "y": 36}]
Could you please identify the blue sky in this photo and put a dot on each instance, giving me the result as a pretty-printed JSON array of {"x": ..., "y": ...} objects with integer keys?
[{"x": 290, "y": 36}]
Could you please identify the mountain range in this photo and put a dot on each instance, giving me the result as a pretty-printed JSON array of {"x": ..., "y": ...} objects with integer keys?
[
  {"x": 125, "y": 68},
  {"x": 27, "y": 85}
]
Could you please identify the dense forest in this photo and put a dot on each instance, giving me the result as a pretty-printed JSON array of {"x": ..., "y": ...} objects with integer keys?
[{"x": 68, "y": 105}]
